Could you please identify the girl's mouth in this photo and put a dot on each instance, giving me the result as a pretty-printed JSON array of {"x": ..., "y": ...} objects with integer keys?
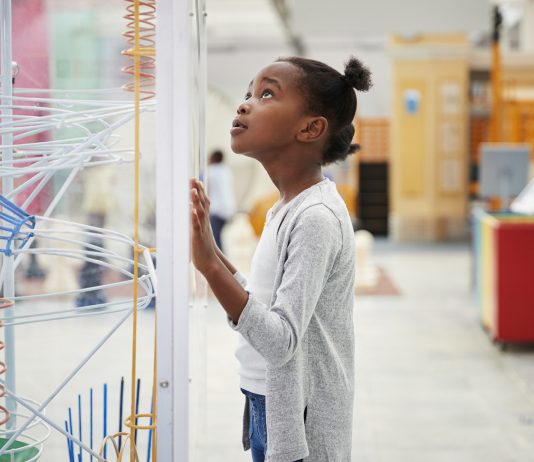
[{"x": 237, "y": 127}]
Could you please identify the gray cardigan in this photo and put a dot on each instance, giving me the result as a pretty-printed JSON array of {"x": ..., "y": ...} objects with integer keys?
[{"x": 306, "y": 335}]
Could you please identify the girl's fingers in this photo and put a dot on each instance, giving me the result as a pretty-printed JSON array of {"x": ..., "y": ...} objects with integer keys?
[
  {"x": 200, "y": 204},
  {"x": 196, "y": 222},
  {"x": 200, "y": 212},
  {"x": 202, "y": 195},
  {"x": 197, "y": 186},
  {"x": 195, "y": 183},
  {"x": 196, "y": 206},
  {"x": 196, "y": 198},
  {"x": 196, "y": 195}
]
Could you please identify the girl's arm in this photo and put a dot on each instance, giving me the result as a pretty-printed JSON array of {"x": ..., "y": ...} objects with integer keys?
[
  {"x": 236, "y": 274},
  {"x": 275, "y": 331},
  {"x": 227, "y": 289},
  {"x": 210, "y": 261},
  {"x": 225, "y": 261}
]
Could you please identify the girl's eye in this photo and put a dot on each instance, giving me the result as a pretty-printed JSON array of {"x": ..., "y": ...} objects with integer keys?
[
  {"x": 247, "y": 96},
  {"x": 267, "y": 94}
]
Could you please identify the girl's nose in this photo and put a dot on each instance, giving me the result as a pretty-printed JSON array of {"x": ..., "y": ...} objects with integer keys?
[{"x": 243, "y": 108}]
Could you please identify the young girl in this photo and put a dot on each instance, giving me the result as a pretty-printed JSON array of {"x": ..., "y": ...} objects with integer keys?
[{"x": 294, "y": 315}]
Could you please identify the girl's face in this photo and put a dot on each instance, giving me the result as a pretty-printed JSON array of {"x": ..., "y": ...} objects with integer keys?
[{"x": 271, "y": 114}]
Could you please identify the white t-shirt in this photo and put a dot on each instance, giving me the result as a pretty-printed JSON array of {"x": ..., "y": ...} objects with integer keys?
[
  {"x": 252, "y": 366},
  {"x": 220, "y": 190}
]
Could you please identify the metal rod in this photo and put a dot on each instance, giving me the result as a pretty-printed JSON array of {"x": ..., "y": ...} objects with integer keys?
[
  {"x": 7, "y": 187},
  {"x": 65, "y": 382},
  {"x": 91, "y": 422},
  {"x": 105, "y": 423},
  {"x": 71, "y": 438}
]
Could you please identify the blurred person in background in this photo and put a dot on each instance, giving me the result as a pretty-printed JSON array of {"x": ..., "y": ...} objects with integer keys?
[{"x": 221, "y": 194}]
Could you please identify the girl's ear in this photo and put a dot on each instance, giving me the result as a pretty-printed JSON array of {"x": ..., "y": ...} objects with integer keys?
[{"x": 314, "y": 130}]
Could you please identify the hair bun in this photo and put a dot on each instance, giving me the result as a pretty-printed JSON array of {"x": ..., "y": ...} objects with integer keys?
[{"x": 357, "y": 75}]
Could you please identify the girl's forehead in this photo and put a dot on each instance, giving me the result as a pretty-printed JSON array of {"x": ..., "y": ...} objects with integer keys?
[{"x": 285, "y": 73}]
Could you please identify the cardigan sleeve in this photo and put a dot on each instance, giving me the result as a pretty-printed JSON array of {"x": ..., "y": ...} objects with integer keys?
[
  {"x": 240, "y": 278},
  {"x": 314, "y": 244}
]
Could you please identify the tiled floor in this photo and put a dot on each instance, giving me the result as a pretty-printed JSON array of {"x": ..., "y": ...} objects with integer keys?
[{"x": 431, "y": 387}]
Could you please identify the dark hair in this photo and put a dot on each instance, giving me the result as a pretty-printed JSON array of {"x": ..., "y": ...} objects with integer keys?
[
  {"x": 217, "y": 156},
  {"x": 331, "y": 95}
]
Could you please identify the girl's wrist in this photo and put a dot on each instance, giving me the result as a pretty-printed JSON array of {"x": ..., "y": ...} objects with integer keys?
[{"x": 212, "y": 268}]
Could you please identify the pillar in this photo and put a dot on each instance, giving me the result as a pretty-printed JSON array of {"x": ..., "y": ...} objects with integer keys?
[{"x": 429, "y": 133}]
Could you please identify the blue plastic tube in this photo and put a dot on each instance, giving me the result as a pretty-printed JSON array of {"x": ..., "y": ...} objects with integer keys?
[
  {"x": 137, "y": 393},
  {"x": 80, "y": 426},
  {"x": 148, "y": 451},
  {"x": 121, "y": 403},
  {"x": 69, "y": 443},
  {"x": 71, "y": 432}
]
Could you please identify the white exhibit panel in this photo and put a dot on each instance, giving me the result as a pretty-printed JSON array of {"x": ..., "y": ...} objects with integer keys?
[
  {"x": 102, "y": 115},
  {"x": 182, "y": 292}
]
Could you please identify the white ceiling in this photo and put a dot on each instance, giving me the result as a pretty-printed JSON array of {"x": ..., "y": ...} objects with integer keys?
[
  {"x": 353, "y": 18},
  {"x": 230, "y": 21},
  {"x": 247, "y": 23}
]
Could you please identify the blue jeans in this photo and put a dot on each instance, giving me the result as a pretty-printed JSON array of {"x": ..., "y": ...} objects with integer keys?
[
  {"x": 217, "y": 225},
  {"x": 257, "y": 430}
]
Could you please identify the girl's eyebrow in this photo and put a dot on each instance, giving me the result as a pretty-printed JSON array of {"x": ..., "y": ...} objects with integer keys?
[
  {"x": 268, "y": 80},
  {"x": 273, "y": 81}
]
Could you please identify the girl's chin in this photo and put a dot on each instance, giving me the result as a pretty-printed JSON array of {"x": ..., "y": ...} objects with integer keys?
[
  {"x": 238, "y": 149},
  {"x": 243, "y": 152}
]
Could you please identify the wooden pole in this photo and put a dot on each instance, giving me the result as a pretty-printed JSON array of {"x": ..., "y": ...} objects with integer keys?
[{"x": 496, "y": 80}]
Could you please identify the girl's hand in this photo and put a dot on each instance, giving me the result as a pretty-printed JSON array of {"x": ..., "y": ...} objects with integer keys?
[{"x": 203, "y": 251}]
